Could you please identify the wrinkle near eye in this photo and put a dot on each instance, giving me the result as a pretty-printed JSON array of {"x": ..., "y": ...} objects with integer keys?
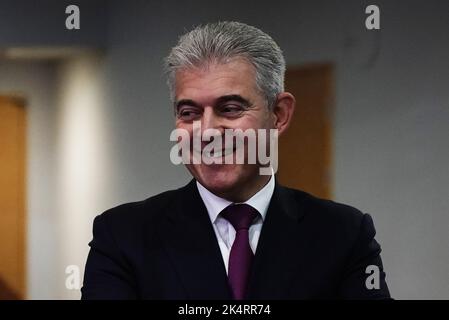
[{"x": 188, "y": 113}]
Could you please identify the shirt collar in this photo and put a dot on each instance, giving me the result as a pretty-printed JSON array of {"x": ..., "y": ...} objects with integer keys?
[{"x": 259, "y": 201}]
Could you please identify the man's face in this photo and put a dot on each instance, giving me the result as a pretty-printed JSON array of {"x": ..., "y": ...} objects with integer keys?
[{"x": 222, "y": 96}]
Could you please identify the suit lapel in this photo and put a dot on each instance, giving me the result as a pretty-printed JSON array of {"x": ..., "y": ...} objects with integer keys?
[
  {"x": 280, "y": 252},
  {"x": 191, "y": 244}
]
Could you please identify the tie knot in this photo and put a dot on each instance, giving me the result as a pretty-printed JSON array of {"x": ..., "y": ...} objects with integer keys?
[{"x": 240, "y": 215}]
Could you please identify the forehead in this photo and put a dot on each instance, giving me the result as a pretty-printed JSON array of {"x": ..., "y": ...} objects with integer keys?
[{"x": 206, "y": 83}]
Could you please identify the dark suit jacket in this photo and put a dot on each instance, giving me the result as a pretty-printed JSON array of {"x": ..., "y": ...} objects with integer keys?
[{"x": 165, "y": 248}]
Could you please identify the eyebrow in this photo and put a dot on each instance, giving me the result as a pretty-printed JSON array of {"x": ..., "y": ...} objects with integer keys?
[{"x": 218, "y": 101}]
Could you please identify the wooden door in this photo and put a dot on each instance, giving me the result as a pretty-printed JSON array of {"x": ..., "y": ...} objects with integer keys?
[
  {"x": 305, "y": 150},
  {"x": 12, "y": 198}
]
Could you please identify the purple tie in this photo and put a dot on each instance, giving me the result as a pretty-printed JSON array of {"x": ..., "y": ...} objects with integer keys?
[{"x": 240, "y": 216}]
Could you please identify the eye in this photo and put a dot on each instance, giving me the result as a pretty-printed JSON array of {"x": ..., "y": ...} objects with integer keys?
[
  {"x": 188, "y": 113},
  {"x": 231, "y": 110}
]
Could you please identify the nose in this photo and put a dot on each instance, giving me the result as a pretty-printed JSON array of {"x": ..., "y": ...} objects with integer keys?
[{"x": 210, "y": 120}]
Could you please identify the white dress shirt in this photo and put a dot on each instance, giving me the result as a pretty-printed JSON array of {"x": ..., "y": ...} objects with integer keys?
[{"x": 224, "y": 230}]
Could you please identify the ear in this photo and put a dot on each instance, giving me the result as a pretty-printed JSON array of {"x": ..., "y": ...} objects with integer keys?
[{"x": 283, "y": 111}]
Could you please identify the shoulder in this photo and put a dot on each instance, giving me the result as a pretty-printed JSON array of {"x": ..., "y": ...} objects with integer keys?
[
  {"x": 134, "y": 214},
  {"x": 336, "y": 229},
  {"x": 328, "y": 214}
]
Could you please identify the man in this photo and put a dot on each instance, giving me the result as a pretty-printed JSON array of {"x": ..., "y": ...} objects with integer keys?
[{"x": 232, "y": 232}]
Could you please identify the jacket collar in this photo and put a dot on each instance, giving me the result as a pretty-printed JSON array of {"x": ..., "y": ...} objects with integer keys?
[{"x": 191, "y": 244}]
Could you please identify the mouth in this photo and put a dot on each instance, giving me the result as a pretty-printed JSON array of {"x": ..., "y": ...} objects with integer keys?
[
  {"x": 215, "y": 153},
  {"x": 221, "y": 153}
]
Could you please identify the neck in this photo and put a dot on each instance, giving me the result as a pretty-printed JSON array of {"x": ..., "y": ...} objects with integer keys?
[{"x": 246, "y": 191}]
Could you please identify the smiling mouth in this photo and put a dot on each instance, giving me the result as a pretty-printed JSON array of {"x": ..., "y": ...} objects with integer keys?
[{"x": 215, "y": 153}]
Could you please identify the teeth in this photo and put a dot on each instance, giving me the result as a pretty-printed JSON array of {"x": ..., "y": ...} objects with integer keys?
[
  {"x": 221, "y": 153},
  {"x": 217, "y": 154},
  {"x": 227, "y": 152}
]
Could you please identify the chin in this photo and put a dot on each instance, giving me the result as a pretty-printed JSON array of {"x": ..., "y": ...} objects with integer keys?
[{"x": 217, "y": 178}]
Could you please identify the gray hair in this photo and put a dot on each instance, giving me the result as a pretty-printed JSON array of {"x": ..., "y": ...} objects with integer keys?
[{"x": 219, "y": 42}]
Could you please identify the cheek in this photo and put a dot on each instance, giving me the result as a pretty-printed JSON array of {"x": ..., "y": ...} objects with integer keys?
[
  {"x": 255, "y": 122},
  {"x": 183, "y": 134},
  {"x": 248, "y": 121},
  {"x": 184, "y": 127},
  {"x": 179, "y": 124},
  {"x": 260, "y": 118}
]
